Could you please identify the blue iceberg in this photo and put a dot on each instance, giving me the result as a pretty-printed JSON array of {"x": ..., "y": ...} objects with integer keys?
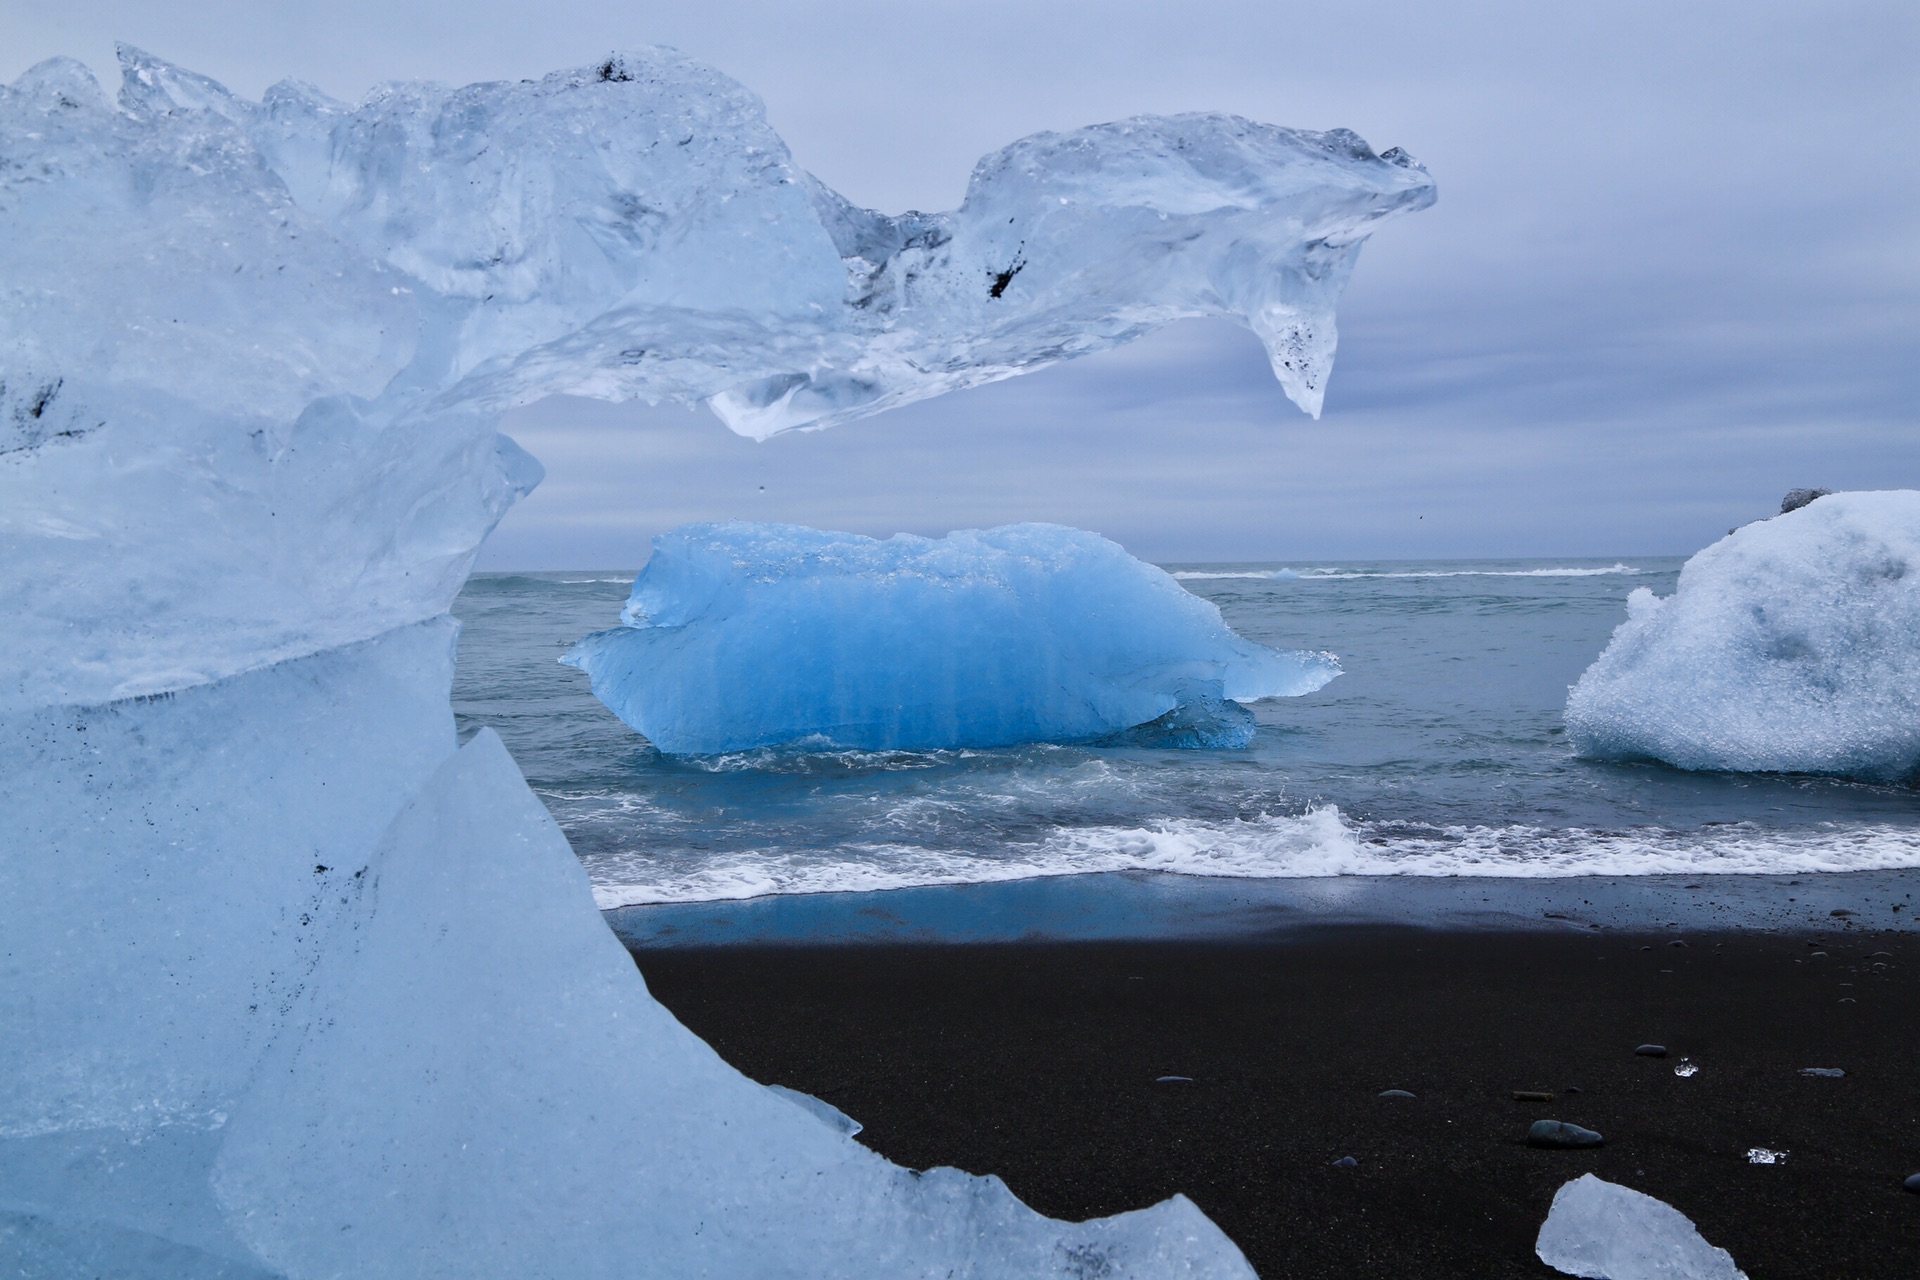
[{"x": 742, "y": 635}]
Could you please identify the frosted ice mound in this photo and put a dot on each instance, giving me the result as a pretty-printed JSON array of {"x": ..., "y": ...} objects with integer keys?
[
  {"x": 1790, "y": 646},
  {"x": 1604, "y": 1231},
  {"x": 742, "y": 635}
]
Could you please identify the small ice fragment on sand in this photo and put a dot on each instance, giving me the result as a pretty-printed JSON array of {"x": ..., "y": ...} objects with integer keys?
[
  {"x": 1825, "y": 1073},
  {"x": 1686, "y": 1069},
  {"x": 825, "y": 1112},
  {"x": 1604, "y": 1231},
  {"x": 1761, "y": 1155}
]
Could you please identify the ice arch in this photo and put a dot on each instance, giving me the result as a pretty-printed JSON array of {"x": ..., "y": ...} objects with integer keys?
[{"x": 291, "y": 983}]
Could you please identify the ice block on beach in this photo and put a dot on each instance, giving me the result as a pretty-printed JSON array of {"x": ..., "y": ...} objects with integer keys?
[
  {"x": 1792, "y": 645},
  {"x": 743, "y": 635},
  {"x": 1603, "y": 1231},
  {"x": 293, "y": 984}
]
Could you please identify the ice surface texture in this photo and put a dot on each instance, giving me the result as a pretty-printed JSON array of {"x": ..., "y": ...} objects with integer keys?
[
  {"x": 293, "y": 985},
  {"x": 588, "y": 1130},
  {"x": 1603, "y": 1231},
  {"x": 1792, "y": 645},
  {"x": 744, "y": 635}
]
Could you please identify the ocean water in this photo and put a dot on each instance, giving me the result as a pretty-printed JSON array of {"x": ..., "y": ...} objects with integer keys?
[{"x": 1440, "y": 752}]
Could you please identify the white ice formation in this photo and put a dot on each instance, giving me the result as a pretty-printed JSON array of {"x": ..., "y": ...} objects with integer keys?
[
  {"x": 742, "y": 635},
  {"x": 291, "y": 983},
  {"x": 1604, "y": 1231},
  {"x": 1792, "y": 645}
]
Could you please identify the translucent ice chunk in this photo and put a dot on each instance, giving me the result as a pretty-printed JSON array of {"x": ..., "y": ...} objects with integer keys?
[
  {"x": 480, "y": 1040},
  {"x": 252, "y": 354},
  {"x": 1604, "y": 1231},
  {"x": 745, "y": 635},
  {"x": 1791, "y": 645},
  {"x": 252, "y": 357},
  {"x": 825, "y": 1112},
  {"x": 170, "y": 869}
]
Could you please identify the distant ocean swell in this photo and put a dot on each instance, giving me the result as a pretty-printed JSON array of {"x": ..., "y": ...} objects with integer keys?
[{"x": 1319, "y": 842}]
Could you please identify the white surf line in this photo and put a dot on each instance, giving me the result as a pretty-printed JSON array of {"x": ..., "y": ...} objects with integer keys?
[{"x": 1316, "y": 845}]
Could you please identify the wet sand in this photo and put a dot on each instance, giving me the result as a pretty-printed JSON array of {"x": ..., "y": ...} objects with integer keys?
[{"x": 1039, "y": 1062}]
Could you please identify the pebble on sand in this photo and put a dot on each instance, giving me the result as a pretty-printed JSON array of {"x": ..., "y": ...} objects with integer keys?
[
  {"x": 1531, "y": 1095},
  {"x": 1825, "y": 1073},
  {"x": 1652, "y": 1051},
  {"x": 1173, "y": 1079},
  {"x": 1346, "y": 1162},
  {"x": 1558, "y": 1133},
  {"x": 1913, "y": 1184},
  {"x": 1396, "y": 1093}
]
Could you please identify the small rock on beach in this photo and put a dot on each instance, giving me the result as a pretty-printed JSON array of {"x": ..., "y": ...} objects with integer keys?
[
  {"x": 1652, "y": 1051},
  {"x": 1560, "y": 1134}
]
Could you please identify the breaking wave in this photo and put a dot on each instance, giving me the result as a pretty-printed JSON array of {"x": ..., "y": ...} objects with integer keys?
[{"x": 1318, "y": 843}]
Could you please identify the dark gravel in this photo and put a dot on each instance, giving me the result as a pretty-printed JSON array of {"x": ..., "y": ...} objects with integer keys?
[{"x": 1039, "y": 1063}]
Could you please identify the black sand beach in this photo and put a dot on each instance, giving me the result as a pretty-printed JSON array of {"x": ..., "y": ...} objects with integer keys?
[{"x": 1039, "y": 1062}]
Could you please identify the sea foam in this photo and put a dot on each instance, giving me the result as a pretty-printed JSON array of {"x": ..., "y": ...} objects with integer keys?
[{"x": 1320, "y": 842}]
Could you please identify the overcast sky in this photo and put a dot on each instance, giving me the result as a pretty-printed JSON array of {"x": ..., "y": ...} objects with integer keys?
[{"x": 1674, "y": 269}]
